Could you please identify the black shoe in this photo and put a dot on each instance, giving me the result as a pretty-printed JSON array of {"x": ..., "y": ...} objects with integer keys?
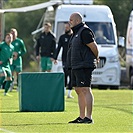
[
  {"x": 87, "y": 120},
  {"x": 78, "y": 120}
]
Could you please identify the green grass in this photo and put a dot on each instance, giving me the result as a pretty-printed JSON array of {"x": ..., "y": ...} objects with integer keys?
[{"x": 112, "y": 112}]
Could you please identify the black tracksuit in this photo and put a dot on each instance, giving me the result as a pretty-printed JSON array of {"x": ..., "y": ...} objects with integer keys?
[
  {"x": 47, "y": 43},
  {"x": 63, "y": 43}
]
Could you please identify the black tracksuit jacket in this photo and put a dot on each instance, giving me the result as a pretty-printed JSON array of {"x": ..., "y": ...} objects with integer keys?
[
  {"x": 46, "y": 45},
  {"x": 63, "y": 42}
]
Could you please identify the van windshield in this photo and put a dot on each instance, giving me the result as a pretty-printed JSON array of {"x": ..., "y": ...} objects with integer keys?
[{"x": 103, "y": 32}]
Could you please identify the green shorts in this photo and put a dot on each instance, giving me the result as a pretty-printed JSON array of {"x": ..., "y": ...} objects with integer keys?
[
  {"x": 16, "y": 68},
  {"x": 46, "y": 63},
  {"x": 17, "y": 65}
]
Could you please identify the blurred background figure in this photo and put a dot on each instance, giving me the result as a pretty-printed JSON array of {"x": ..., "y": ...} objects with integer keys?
[
  {"x": 6, "y": 53},
  {"x": 63, "y": 43},
  {"x": 19, "y": 51},
  {"x": 100, "y": 38},
  {"x": 45, "y": 48}
]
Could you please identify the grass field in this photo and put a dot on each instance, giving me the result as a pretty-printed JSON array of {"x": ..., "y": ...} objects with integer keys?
[{"x": 112, "y": 112}]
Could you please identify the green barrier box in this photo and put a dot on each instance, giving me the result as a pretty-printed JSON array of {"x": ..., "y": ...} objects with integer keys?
[{"x": 41, "y": 92}]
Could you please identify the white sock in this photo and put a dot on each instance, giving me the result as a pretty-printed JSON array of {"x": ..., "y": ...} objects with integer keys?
[
  {"x": 64, "y": 90},
  {"x": 69, "y": 92}
]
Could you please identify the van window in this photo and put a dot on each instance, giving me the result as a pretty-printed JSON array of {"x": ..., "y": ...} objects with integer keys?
[{"x": 103, "y": 32}]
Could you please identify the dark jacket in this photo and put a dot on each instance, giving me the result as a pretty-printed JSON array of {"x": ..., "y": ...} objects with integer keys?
[
  {"x": 46, "y": 45},
  {"x": 63, "y": 42},
  {"x": 79, "y": 54}
]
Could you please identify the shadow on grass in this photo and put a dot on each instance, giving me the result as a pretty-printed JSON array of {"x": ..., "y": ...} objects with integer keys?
[
  {"x": 116, "y": 107},
  {"x": 24, "y": 124},
  {"x": 10, "y": 111},
  {"x": 123, "y": 110},
  {"x": 111, "y": 106}
]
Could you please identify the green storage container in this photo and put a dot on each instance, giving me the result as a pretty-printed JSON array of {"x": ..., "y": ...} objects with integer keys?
[{"x": 41, "y": 92}]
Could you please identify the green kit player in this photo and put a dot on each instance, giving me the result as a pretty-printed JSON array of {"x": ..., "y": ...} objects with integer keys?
[
  {"x": 19, "y": 51},
  {"x": 6, "y": 53}
]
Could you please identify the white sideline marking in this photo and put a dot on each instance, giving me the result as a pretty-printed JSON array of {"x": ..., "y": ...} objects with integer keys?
[{"x": 7, "y": 131}]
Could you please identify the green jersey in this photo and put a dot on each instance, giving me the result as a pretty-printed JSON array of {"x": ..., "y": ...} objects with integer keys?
[
  {"x": 20, "y": 48},
  {"x": 6, "y": 52}
]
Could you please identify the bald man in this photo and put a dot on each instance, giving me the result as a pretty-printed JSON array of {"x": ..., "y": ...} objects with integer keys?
[{"x": 82, "y": 59}]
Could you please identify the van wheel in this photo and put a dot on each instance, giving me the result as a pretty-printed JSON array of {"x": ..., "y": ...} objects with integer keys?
[
  {"x": 114, "y": 87},
  {"x": 102, "y": 87},
  {"x": 131, "y": 82}
]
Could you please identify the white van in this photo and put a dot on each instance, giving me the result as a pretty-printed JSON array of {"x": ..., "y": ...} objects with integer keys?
[
  {"x": 108, "y": 71},
  {"x": 129, "y": 50}
]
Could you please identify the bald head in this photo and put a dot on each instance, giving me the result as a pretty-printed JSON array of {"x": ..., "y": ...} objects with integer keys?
[
  {"x": 77, "y": 16},
  {"x": 75, "y": 19}
]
